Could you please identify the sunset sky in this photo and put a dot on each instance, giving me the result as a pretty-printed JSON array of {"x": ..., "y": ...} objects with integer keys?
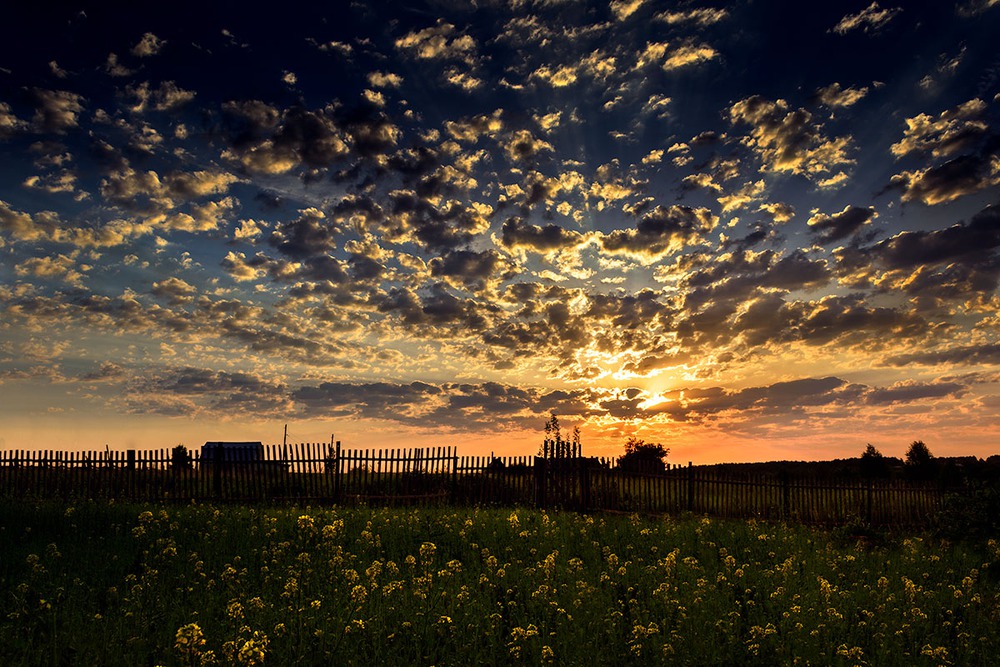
[{"x": 748, "y": 231}]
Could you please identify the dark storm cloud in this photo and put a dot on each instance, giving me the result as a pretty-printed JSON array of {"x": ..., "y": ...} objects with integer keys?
[{"x": 831, "y": 228}]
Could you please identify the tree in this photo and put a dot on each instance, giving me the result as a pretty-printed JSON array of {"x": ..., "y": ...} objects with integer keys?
[
  {"x": 642, "y": 456},
  {"x": 920, "y": 463},
  {"x": 180, "y": 458},
  {"x": 554, "y": 446},
  {"x": 873, "y": 463}
]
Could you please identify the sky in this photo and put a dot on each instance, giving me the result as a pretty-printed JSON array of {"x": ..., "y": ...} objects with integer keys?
[{"x": 749, "y": 231}]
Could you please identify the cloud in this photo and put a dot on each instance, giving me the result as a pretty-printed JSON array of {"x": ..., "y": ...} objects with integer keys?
[
  {"x": 967, "y": 242},
  {"x": 384, "y": 80},
  {"x": 264, "y": 140},
  {"x": 62, "y": 267},
  {"x": 704, "y": 16},
  {"x": 9, "y": 123},
  {"x": 168, "y": 97},
  {"x": 149, "y": 45},
  {"x": 910, "y": 391},
  {"x": 674, "y": 57},
  {"x": 470, "y": 130},
  {"x": 469, "y": 268},
  {"x": 787, "y": 140},
  {"x": 869, "y": 20},
  {"x": 835, "y": 96},
  {"x": 622, "y": 9},
  {"x": 195, "y": 391},
  {"x": 518, "y": 234},
  {"x": 107, "y": 371},
  {"x": 523, "y": 146},
  {"x": 661, "y": 231},
  {"x": 56, "y": 110},
  {"x": 438, "y": 42},
  {"x": 964, "y": 175},
  {"x": 831, "y": 228},
  {"x": 976, "y": 7},
  {"x": 951, "y": 131},
  {"x": 115, "y": 68},
  {"x": 964, "y": 355},
  {"x": 308, "y": 235},
  {"x": 597, "y": 66},
  {"x": 175, "y": 290}
]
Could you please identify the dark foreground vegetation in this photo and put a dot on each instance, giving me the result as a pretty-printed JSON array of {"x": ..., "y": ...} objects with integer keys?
[{"x": 124, "y": 584}]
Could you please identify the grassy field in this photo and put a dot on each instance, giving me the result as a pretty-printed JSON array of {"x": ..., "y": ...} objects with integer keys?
[{"x": 99, "y": 584}]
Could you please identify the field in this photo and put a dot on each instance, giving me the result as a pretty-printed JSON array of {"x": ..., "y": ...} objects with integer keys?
[{"x": 120, "y": 584}]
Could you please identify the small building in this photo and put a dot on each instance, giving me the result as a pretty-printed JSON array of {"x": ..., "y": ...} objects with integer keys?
[{"x": 231, "y": 452}]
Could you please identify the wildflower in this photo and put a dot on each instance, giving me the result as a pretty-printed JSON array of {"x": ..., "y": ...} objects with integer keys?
[
  {"x": 253, "y": 650},
  {"x": 189, "y": 639},
  {"x": 359, "y": 594},
  {"x": 330, "y": 531},
  {"x": 938, "y": 653},
  {"x": 427, "y": 551},
  {"x": 234, "y": 610}
]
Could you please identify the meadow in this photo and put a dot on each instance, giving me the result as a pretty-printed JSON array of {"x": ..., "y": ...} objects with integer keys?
[{"x": 123, "y": 584}]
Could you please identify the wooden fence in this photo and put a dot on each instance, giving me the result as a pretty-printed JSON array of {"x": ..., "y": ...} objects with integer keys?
[{"x": 323, "y": 473}]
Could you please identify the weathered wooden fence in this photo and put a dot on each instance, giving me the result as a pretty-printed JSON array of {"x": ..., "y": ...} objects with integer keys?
[{"x": 325, "y": 473}]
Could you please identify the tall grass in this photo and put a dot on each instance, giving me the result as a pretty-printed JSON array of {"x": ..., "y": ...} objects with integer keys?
[{"x": 195, "y": 585}]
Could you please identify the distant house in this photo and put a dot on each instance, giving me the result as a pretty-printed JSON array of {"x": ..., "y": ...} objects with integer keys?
[{"x": 231, "y": 452}]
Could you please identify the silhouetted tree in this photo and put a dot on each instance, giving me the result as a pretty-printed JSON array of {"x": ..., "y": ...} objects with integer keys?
[
  {"x": 873, "y": 463},
  {"x": 642, "y": 456},
  {"x": 920, "y": 463},
  {"x": 180, "y": 458},
  {"x": 554, "y": 446}
]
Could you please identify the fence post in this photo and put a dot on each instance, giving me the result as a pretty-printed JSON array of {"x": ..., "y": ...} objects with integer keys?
[
  {"x": 453, "y": 489},
  {"x": 868, "y": 502},
  {"x": 336, "y": 476},
  {"x": 540, "y": 482},
  {"x": 690, "y": 487},
  {"x": 786, "y": 494},
  {"x": 584, "y": 483},
  {"x": 216, "y": 474}
]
